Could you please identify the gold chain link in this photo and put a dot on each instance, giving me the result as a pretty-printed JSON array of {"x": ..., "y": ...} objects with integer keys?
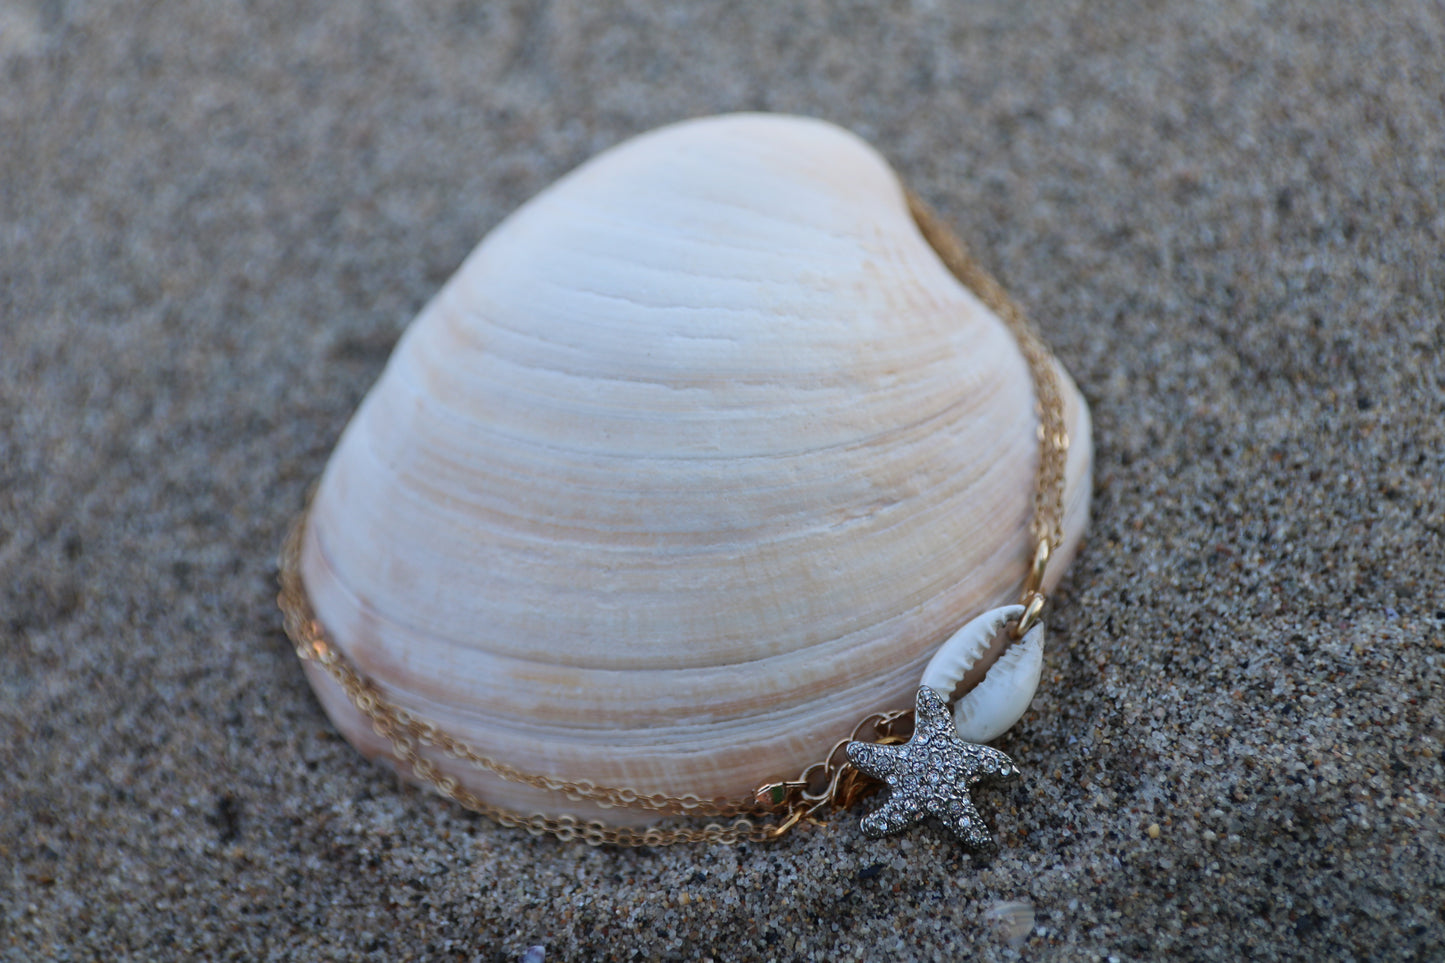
[
  {"x": 408, "y": 734},
  {"x": 1047, "y": 524},
  {"x": 775, "y": 808}
]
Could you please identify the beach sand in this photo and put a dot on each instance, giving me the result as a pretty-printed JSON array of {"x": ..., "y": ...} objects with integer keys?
[{"x": 1226, "y": 218}]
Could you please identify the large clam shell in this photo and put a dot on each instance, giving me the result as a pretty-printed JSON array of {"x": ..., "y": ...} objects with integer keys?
[{"x": 692, "y": 464}]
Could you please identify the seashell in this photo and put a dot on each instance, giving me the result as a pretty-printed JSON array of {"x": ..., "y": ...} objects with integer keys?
[
  {"x": 1012, "y": 920},
  {"x": 693, "y": 463},
  {"x": 991, "y": 707}
]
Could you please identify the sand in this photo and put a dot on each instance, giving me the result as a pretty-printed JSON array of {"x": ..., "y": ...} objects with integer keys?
[{"x": 1227, "y": 220}]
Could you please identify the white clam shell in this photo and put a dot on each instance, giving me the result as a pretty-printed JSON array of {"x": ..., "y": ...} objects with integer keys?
[
  {"x": 686, "y": 469},
  {"x": 989, "y": 709}
]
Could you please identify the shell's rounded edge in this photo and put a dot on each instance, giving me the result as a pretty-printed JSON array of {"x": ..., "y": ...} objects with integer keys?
[
  {"x": 1078, "y": 479},
  {"x": 595, "y": 682}
]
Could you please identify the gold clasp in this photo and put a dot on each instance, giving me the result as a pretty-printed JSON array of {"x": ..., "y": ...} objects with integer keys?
[
  {"x": 1034, "y": 583},
  {"x": 776, "y": 795},
  {"x": 1030, "y": 618},
  {"x": 1032, "y": 596},
  {"x": 781, "y": 829}
]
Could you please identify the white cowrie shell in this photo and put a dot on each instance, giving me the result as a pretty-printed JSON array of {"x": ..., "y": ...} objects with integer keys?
[{"x": 1001, "y": 699}]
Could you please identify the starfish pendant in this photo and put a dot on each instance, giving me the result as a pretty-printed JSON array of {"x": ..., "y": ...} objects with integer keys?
[{"x": 930, "y": 776}]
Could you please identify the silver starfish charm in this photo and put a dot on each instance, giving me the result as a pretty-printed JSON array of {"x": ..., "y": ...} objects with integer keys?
[{"x": 930, "y": 776}]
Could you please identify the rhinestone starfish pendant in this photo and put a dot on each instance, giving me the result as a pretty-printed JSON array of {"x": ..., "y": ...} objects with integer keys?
[{"x": 931, "y": 775}]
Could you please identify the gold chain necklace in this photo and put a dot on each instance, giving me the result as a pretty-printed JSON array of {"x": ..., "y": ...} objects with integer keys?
[{"x": 848, "y": 770}]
